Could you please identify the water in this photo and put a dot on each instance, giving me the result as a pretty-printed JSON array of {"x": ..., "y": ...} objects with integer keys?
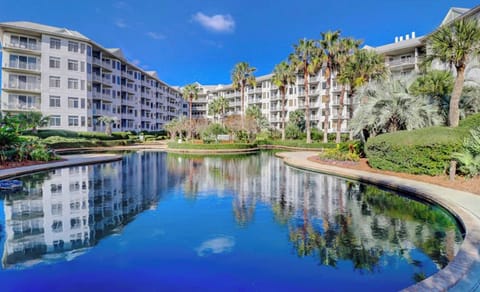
[{"x": 164, "y": 222}]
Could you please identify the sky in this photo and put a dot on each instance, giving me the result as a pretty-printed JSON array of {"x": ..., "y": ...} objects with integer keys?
[{"x": 201, "y": 40}]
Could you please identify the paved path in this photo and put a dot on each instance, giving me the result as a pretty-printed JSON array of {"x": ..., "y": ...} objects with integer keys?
[
  {"x": 70, "y": 160},
  {"x": 461, "y": 274}
]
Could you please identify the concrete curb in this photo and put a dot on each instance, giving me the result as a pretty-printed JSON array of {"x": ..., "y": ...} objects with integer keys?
[
  {"x": 71, "y": 160},
  {"x": 463, "y": 272}
]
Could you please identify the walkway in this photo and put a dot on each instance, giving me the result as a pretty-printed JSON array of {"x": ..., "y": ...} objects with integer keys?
[
  {"x": 463, "y": 273},
  {"x": 70, "y": 160}
]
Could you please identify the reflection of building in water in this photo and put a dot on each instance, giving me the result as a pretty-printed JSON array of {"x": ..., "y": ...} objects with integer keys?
[
  {"x": 66, "y": 210},
  {"x": 376, "y": 221}
]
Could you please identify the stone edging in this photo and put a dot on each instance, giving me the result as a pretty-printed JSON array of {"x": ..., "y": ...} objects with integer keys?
[
  {"x": 463, "y": 272},
  {"x": 83, "y": 160}
]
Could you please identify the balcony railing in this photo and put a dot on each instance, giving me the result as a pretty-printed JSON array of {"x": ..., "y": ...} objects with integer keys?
[
  {"x": 25, "y": 46},
  {"x": 23, "y": 86},
  {"x": 23, "y": 66},
  {"x": 21, "y": 106}
]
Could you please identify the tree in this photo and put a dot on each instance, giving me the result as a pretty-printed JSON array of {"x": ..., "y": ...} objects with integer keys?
[
  {"x": 345, "y": 52},
  {"x": 434, "y": 83},
  {"x": 190, "y": 92},
  {"x": 455, "y": 44},
  {"x": 329, "y": 45},
  {"x": 361, "y": 68},
  {"x": 261, "y": 122},
  {"x": 33, "y": 120},
  {"x": 388, "y": 107},
  {"x": 306, "y": 59},
  {"x": 242, "y": 75},
  {"x": 108, "y": 123},
  {"x": 218, "y": 107},
  {"x": 283, "y": 76}
]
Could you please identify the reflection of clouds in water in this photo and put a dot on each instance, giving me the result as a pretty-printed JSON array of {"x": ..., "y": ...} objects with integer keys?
[{"x": 221, "y": 244}]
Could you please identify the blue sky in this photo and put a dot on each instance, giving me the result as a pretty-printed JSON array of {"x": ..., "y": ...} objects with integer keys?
[{"x": 201, "y": 40}]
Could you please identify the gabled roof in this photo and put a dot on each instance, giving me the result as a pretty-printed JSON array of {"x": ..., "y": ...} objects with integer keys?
[
  {"x": 117, "y": 53},
  {"x": 453, "y": 13},
  {"x": 41, "y": 28}
]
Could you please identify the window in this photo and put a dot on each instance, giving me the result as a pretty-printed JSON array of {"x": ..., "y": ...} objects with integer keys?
[
  {"x": 83, "y": 121},
  {"x": 54, "y": 62},
  {"x": 23, "y": 42},
  {"x": 55, "y": 43},
  {"x": 58, "y": 245},
  {"x": 54, "y": 101},
  {"x": 24, "y": 62},
  {"x": 73, "y": 65},
  {"x": 75, "y": 223},
  {"x": 73, "y": 47},
  {"x": 73, "y": 102},
  {"x": 57, "y": 209},
  {"x": 82, "y": 66},
  {"x": 55, "y": 121},
  {"x": 75, "y": 205},
  {"x": 57, "y": 226},
  {"x": 82, "y": 85},
  {"x": 73, "y": 121},
  {"x": 72, "y": 83},
  {"x": 82, "y": 49},
  {"x": 89, "y": 51},
  {"x": 82, "y": 103},
  {"x": 54, "y": 82}
]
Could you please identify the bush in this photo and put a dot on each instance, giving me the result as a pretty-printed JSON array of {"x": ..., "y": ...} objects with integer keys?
[
  {"x": 174, "y": 145},
  {"x": 470, "y": 122},
  {"x": 422, "y": 151},
  {"x": 62, "y": 142},
  {"x": 292, "y": 131},
  {"x": 121, "y": 135},
  {"x": 301, "y": 144},
  {"x": 96, "y": 135},
  {"x": 469, "y": 157},
  {"x": 338, "y": 154},
  {"x": 48, "y": 133}
]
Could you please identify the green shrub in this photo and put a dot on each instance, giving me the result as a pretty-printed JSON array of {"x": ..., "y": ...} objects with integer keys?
[
  {"x": 422, "y": 151},
  {"x": 470, "y": 122},
  {"x": 302, "y": 144},
  {"x": 174, "y": 145},
  {"x": 45, "y": 133},
  {"x": 58, "y": 142},
  {"x": 96, "y": 135},
  {"x": 469, "y": 157},
  {"x": 7, "y": 136},
  {"x": 121, "y": 135},
  {"x": 337, "y": 154}
]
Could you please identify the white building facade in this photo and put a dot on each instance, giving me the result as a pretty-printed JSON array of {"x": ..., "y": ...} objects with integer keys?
[{"x": 74, "y": 80}]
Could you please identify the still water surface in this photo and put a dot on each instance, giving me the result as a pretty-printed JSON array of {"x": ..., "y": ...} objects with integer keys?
[{"x": 156, "y": 221}]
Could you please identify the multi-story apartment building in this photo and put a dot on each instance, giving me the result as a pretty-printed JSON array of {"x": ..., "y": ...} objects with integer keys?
[
  {"x": 74, "y": 80},
  {"x": 402, "y": 57}
]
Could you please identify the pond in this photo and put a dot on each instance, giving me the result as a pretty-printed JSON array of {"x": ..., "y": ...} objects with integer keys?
[{"x": 157, "y": 221}]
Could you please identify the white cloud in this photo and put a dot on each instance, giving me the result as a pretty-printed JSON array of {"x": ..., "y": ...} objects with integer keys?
[
  {"x": 218, "y": 245},
  {"x": 217, "y": 23},
  {"x": 155, "y": 35},
  {"x": 121, "y": 23}
]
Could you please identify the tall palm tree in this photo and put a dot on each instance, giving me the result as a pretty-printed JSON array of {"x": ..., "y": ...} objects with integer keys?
[
  {"x": 346, "y": 48},
  {"x": 190, "y": 92},
  {"x": 455, "y": 44},
  {"x": 283, "y": 76},
  {"x": 363, "y": 67},
  {"x": 108, "y": 121},
  {"x": 242, "y": 75},
  {"x": 329, "y": 45},
  {"x": 306, "y": 59}
]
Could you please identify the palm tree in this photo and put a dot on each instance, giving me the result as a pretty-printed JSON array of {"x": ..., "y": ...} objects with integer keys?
[
  {"x": 108, "y": 123},
  {"x": 346, "y": 48},
  {"x": 190, "y": 92},
  {"x": 283, "y": 76},
  {"x": 455, "y": 44},
  {"x": 388, "y": 107},
  {"x": 242, "y": 75},
  {"x": 33, "y": 120},
  {"x": 306, "y": 59},
  {"x": 363, "y": 67},
  {"x": 329, "y": 45}
]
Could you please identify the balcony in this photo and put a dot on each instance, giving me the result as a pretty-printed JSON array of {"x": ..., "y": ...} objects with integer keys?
[
  {"x": 101, "y": 112},
  {"x": 21, "y": 107},
  {"x": 23, "y": 46},
  {"x": 23, "y": 86},
  {"x": 404, "y": 62},
  {"x": 23, "y": 66}
]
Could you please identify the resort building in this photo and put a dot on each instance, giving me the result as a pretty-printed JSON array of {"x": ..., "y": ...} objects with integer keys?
[
  {"x": 74, "y": 80},
  {"x": 402, "y": 57}
]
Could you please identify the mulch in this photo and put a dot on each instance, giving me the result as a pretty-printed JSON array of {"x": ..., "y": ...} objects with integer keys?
[{"x": 471, "y": 185}]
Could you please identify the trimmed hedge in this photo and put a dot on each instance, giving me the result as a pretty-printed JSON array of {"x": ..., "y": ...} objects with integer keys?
[
  {"x": 422, "y": 151},
  {"x": 49, "y": 133},
  {"x": 175, "y": 145},
  {"x": 296, "y": 143},
  {"x": 57, "y": 142}
]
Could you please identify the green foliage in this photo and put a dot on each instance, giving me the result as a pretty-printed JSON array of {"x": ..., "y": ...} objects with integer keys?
[
  {"x": 58, "y": 142},
  {"x": 210, "y": 134},
  {"x": 174, "y": 145},
  {"x": 423, "y": 151},
  {"x": 339, "y": 155},
  {"x": 435, "y": 83},
  {"x": 96, "y": 135},
  {"x": 292, "y": 131},
  {"x": 470, "y": 122},
  {"x": 301, "y": 144},
  {"x": 7, "y": 136},
  {"x": 47, "y": 133},
  {"x": 297, "y": 117},
  {"x": 469, "y": 157}
]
